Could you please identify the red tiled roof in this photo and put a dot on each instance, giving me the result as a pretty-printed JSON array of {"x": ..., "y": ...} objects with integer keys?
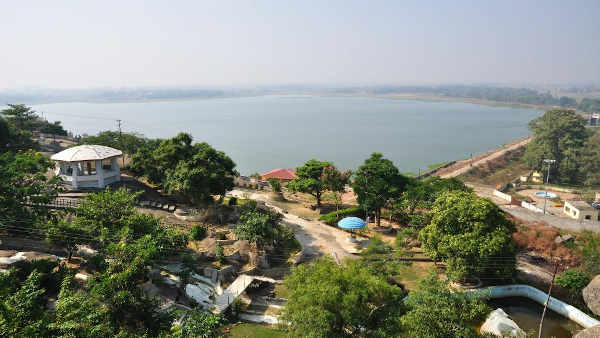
[{"x": 282, "y": 174}]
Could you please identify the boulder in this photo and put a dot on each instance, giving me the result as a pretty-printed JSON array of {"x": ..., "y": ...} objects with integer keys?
[
  {"x": 499, "y": 324},
  {"x": 590, "y": 332},
  {"x": 591, "y": 295}
]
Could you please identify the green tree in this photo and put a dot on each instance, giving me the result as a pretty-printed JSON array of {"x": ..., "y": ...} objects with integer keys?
[
  {"x": 200, "y": 323},
  {"x": 105, "y": 212},
  {"x": 67, "y": 235},
  {"x": 129, "y": 143},
  {"x": 309, "y": 179},
  {"x": 559, "y": 135},
  {"x": 260, "y": 227},
  {"x": 275, "y": 184},
  {"x": 329, "y": 300},
  {"x": 376, "y": 182},
  {"x": 335, "y": 181},
  {"x": 472, "y": 235},
  {"x": 21, "y": 116},
  {"x": 437, "y": 311},
  {"x": 23, "y": 181},
  {"x": 207, "y": 172},
  {"x": 590, "y": 162}
]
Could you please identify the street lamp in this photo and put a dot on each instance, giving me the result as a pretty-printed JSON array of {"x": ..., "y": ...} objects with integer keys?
[{"x": 550, "y": 162}]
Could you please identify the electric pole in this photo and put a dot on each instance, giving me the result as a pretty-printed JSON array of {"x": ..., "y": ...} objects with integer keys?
[
  {"x": 121, "y": 142},
  {"x": 547, "y": 180},
  {"x": 547, "y": 300}
]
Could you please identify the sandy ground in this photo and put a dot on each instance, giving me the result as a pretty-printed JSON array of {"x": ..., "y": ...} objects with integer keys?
[
  {"x": 462, "y": 167},
  {"x": 315, "y": 237}
]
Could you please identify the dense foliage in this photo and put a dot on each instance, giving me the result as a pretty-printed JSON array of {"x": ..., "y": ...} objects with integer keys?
[
  {"x": 309, "y": 179},
  {"x": 437, "y": 311},
  {"x": 573, "y": 280},
  {"x": 194, "y": 171},
  {"x": 333, "y": 217},
  {"x": 23, "y": 181},
  {"x": 330, "y": 300},
  {"x": 472, "y": 235},
  {"x": 559, "y": 135},
  {"x": 261, "y": 226},
  {"x": 129, "y": 143},
  {"x": 376, "y": 183},
  {"x": 26, "y": 119}
]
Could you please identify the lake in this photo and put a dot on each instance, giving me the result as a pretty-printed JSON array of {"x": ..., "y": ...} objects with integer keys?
[{"x": 266, "y": 132}]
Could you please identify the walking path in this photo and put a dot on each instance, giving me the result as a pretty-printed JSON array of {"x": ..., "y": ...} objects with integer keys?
[
  {"x": 463, "y": 166},
  {"x": 316, "y": 238},
  {"x": 236, "y": 288}
]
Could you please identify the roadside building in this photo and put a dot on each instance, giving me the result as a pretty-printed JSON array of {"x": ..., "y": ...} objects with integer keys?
[
  {"x": 595, "y": 120},
  {"x": 537, "y": 177},
  {"x": 581, "y": 211},
  {"x": 88, "y": 166},
  {"x": 283, "y": 175}
]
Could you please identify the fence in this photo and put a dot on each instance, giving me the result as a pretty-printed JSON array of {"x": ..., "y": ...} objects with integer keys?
[
  {"x": 531, "y": 207},
  {"x": 502, "y": 196},
  {"x": 57, "y": 203}
]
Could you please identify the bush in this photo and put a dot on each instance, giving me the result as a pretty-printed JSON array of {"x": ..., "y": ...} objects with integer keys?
[
  {"x": 404, "y": 236},
  {"x": 219, "y": 254},
  {"x": 573, "y": 280},
  {"x": 200, "y": 323},
  {"x": 197, "y": 232},
  {"x": 333, "y": 217},
  {"x": 275, "y": 184}
]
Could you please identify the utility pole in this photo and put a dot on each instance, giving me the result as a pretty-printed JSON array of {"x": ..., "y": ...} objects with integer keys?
[
  {"x": 547, "y": 180},
  {"x": 547, "y": 300},
  {"x": 121, "y": 142}
]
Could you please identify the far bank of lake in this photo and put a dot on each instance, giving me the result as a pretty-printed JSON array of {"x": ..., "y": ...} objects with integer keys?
[{"x": 265, "y": 132}]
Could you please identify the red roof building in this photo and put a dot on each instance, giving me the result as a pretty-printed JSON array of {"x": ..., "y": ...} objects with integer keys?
[{"x": 279, "y": 174}]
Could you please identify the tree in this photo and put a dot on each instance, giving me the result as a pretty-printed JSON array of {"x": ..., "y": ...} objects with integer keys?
[
  {"x": 200, "y": 323},
  {"x": 129, "y": 143},
  {"x": 23, "y": 181},
  {"x": 105, "y": 212},
  {"x": 330, "y": 300},
  {"x": 559, "y": 135},
  {"x": 472, "y": 235},
  {"x": 437, "y": 311},
  {"x": 21, "y": 116},
  {"x": 335, "y": 181},
  {"x": 67, "y": 235},
  {"x": 260, "y": 227},
  {"x": 590, "y": 162},
  {"x": 376, "y": 182},
  {"x": 207, "y": 172},
  {"x": 309, "y": 179},
  {"x": 275, "y": 184}
]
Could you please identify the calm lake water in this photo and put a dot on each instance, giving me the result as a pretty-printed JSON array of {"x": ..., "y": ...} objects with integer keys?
[{"x": 266, "y": 132}]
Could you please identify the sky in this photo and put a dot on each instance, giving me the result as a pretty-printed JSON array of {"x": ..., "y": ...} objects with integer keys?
[{"x": 90, "y": 44}]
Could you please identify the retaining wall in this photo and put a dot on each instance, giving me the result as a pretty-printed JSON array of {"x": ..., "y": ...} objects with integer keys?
[
  {"x": 531, "y": 207},
  {"x": 502, "y": 196}
]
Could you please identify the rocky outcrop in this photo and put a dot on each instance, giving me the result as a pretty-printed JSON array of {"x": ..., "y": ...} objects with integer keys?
[
  {"x": 499, "y": 324},
  {"x": 592, "y": 332},
  {"x": 591, "y": 295}
]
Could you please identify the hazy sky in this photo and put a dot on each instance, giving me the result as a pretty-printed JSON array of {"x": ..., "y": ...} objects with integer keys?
[{"x": 73, "y": 44}]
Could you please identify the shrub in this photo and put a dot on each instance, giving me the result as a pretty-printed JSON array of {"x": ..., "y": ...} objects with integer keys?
[
  {"x": 200, "y": 323},
  {"x": 219, "y": 254},
  {"x": 573, "y": 280},
  {"x": 197, "y": 232},
  {"x": 275, "y": 184},
  {"x": 404, "y": 236},
  {"x": 333, "y": 217}
]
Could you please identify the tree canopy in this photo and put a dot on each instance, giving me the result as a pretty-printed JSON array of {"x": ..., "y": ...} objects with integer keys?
[
  {"x": 129, "y": 143},
  {"x": 590, "y": 162},
  {"x": 309, "y": 179},
  {"x": 376, "y": 182},
  {"x": 472, "y": 235},
  {"x": 329, "y": 300},
  {"x": 559, "y": 135}
]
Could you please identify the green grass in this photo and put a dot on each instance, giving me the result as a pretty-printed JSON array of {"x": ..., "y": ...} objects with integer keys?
[
  {"x": 409, "y": 275},
  {"x": 248, "y": 330}
]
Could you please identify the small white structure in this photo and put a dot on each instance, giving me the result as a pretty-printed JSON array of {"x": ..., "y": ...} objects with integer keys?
[
  {"x": 580, "y": 211},
  {"x": 88, "y": 166}
]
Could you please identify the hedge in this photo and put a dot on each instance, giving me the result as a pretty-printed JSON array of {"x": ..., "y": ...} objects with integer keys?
[{"x": 333, "y": 217}]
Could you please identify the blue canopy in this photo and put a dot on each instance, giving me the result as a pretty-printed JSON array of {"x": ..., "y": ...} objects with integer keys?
[{"x": 351, "y": 223}]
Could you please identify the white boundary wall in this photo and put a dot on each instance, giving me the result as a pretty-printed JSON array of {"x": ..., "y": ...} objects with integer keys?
[
  {"x": 502, "y": 195},
  {"x": 531, "y": 207}
]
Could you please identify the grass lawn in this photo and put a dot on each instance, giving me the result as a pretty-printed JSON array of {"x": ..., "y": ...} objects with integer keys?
[
  {"x": 246, "y": 330},
  {"x": 409, "y": 275}
]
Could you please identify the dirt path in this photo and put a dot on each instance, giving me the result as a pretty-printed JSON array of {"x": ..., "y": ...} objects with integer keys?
[
  {"x": 463, "y": 166},
  {"x": 316, "y": 238}
]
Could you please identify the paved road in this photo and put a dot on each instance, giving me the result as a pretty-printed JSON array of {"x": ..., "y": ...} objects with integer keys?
[
  {"x": 316, "y": 238},
  {"x": 493, "y": 155}
]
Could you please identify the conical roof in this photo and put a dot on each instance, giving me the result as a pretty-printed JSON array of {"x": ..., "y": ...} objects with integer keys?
[{"x": 86, "y": 152}]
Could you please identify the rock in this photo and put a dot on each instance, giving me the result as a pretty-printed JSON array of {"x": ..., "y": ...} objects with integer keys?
[
  {"x": 197, "y": 294},
  {"x": 590, "y": 332},
  {"x": 85, "y": 251},
  {"x": 211, "y": 273},
  {"x": 165, "y": 207},
  {"x": 499, "y": 324},
  {"x": 563, "y": 239},
  {"x": 226, "y": 273},
  {"x": 591, "y": 295},
  {"x": 171, "y": 208},
  {"x": 81, "y": 276}
]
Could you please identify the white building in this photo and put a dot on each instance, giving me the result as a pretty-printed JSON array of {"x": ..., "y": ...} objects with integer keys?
[
  {"x": 88, "y": 166},
  {"x": 581, "y": 211}
]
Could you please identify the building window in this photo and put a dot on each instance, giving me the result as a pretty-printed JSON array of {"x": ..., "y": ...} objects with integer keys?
[
  {"x": 89, "y": 168},
  {"x": 588, "y": 217},
  {"x": 106, "y": 164}
]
